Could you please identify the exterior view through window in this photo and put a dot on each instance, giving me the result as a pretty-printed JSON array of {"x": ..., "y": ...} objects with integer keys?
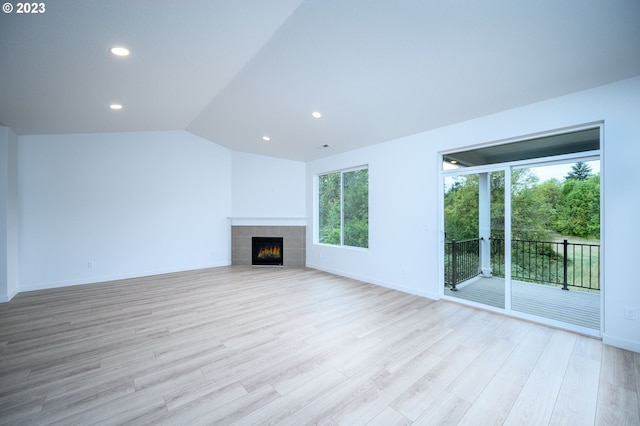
[
  {"x": 343, "y": 208},
  {"x": 522, "y": 228}
]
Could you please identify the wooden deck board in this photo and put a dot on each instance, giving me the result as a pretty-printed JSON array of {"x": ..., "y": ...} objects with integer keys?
[{"x": 571, "y": 307}]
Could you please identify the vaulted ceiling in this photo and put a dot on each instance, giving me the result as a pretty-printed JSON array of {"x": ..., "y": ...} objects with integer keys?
[{"x": 235, "y": 71}]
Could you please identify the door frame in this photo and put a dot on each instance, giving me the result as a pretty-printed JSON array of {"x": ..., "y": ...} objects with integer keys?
[{"x": 507, "y": 167}]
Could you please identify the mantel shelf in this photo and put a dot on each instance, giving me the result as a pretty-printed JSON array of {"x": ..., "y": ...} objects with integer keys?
[{"x": 268, "y": 221}]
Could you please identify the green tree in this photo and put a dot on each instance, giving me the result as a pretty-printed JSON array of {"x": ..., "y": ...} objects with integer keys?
[
  {"x": 526, "y": 206},
  {"x": 534, "y": 206},
  {"x": 329, "y": 208},
  {"x": 461, "y": 208},
  {"x": 579, "y": 214},
  {"x": 549, "y": 195},
  {"x": 571, "y": 207},
  {"x": 356, "y": 208},
  {"x": 579, "y": 171}
]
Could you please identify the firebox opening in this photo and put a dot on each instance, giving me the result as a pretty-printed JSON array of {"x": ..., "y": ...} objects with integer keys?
[{"x": 266, "y": 251}]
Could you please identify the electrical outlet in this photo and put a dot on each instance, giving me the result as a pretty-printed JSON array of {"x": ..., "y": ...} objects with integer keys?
[
  {"x": 90, "y": 264},
  {"x": 629, "y": 313}
]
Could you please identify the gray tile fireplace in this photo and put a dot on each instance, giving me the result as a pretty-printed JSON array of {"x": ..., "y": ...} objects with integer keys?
[{"x": 293, "y": 241}]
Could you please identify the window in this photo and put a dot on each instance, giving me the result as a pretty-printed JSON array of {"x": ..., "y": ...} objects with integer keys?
[{"x": 343, "y": 208}]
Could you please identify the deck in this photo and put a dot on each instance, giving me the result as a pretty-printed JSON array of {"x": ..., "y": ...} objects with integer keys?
[{"x": 571, "y": 307}]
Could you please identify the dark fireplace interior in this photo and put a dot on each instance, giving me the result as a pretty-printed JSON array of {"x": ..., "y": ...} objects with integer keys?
[{"x": 266, "y": 251}]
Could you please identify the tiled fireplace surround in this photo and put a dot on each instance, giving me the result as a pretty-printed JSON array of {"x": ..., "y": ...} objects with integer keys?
[{"x": 293, "y": 232}]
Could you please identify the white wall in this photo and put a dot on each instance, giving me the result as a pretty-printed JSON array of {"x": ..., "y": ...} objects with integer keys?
[
  {"x": 267, "y": 187},
  {"x": 133, "y": 204},
  {"x": 8, "y": 214},
  {"x": 402, "y": 218},
  {"x": 404, "y": 175}
]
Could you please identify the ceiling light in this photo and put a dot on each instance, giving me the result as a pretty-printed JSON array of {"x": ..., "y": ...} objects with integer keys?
[
  {"x": 453, "y": 162},
  {"x": 115, "y": 106},
  {"x": 316, "y": 114},
  {"x": 266, "y": 138},
  {"x": 119, "y": 51}
]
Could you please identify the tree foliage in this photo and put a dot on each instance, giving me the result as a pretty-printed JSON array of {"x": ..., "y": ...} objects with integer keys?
[
  {"x": 356, "y": 208},
  {"x": 579, "y": 213},
  {"x": 462, "y": 197},
  {"x": 571, "y": 208},
  {"x": 533, "y": 206},
  {"x": 329, "y": 209},
  {"x": 579, "y": 171},
  {"x": 344, "y": 208}
]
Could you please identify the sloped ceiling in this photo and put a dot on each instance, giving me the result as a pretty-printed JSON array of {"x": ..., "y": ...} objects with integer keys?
[{"x": 234, "y": 71}]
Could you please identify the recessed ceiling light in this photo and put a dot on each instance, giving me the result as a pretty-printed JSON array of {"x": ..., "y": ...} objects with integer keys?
[
  {"x": 115, "y": 106},
  {"x": 316, "y": 114},
  {"x": 266, "y": 138},
  {"x": 119, "y": 51}
]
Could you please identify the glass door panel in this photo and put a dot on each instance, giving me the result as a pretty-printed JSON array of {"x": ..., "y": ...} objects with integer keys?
[
  {"x": 474, "y": 237},
  {"x": 555, "y": 242}
]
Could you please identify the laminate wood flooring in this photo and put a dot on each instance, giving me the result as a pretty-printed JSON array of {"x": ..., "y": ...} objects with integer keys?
[{"x": 255, "y": 346}]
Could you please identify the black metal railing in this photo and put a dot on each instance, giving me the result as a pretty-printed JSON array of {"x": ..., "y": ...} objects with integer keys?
[
  {"x": 561, "y": 263},
  {"x": 554, "y": 262},
  {"x": 462, "y": 261}
]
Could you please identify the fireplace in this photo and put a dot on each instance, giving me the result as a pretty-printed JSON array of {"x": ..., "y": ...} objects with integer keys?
[
  {"x": 267, "y": 251},
  {"x": 293, "y": 242}
]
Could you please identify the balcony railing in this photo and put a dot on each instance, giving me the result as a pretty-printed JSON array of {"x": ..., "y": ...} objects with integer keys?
[
  {"x": 462, "y": 261},
  {"x": 561, "y": 263}
]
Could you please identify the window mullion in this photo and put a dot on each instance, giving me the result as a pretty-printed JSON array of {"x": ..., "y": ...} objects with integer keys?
[{"x": 342, "y": 208}]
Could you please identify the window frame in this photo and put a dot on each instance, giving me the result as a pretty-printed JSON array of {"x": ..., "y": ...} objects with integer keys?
[{"x": 316, "y": 237}]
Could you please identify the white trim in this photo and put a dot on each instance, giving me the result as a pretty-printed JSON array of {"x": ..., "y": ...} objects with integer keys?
[
  {"x": 268, "y": 221},
  {"x": 337, "y": 246},
  {"x": 441, "y": 235},
  {"x": 315, "y": 237},
  {"x": 345, "y": 170},
  {"x": 342, "y": 207},
  {"x": 369, "y": 280},
  {"x": 621, "y": 343},
  {"x": 508, "y": 229},
  {"x": 7, "y": 297},
  {"x": 602, "y": 232},
  {"x": 102, "y": 279}
]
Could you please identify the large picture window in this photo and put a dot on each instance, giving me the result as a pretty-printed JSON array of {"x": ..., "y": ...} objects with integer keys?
[{"x": 343, "y": 208}]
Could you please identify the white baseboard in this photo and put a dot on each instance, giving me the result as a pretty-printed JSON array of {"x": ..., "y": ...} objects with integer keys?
[
  {"x": 393, "y": 286},
  {"x": 621, "y": 343},
  {"x": 101, "y": 279},
  {"x": 7, "y": 297}
]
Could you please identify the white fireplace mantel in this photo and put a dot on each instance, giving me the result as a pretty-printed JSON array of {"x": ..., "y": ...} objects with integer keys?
[{"x": 268, "y": 221}]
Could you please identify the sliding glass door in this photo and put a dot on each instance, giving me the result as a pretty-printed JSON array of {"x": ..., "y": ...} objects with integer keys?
[{"x": 523, "y": 236}]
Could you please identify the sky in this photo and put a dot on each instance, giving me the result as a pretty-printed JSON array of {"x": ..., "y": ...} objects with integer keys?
[{"x": 559, "y": 171}]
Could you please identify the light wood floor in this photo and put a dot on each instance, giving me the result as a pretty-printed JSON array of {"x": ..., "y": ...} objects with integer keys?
[{"x": 254, "y": 346}]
